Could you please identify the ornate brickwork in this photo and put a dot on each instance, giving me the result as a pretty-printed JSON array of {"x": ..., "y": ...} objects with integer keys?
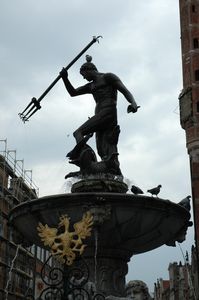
[{"x": 189, "y": 97}]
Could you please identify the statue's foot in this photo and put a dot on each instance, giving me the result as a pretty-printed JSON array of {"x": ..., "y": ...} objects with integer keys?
[
  {"x": 82, "y": 139},
  {"x": 85, "y": 139},
  {"x": 73, "y": 154}
]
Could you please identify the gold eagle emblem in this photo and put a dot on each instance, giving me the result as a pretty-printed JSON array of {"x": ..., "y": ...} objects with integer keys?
[{"x": 64, "y": 244}]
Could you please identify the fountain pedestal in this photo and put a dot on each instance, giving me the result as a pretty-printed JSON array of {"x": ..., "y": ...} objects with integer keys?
[
  {"x": 110, "y": 274},
  {"x": 124, "y": 225}
]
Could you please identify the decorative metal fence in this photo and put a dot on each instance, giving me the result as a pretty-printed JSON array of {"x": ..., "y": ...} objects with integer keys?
[{"x": 67, "y": 283}]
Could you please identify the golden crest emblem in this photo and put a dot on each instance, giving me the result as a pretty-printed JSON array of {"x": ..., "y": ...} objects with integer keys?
[{"x": 64, "y": 244}]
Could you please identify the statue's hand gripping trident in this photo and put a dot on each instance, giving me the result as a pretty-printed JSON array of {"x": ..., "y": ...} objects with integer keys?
[{"x": 34, "y": 105}]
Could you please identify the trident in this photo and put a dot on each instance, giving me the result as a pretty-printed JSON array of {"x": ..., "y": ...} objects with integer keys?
[{"x": 34, "y": 104}]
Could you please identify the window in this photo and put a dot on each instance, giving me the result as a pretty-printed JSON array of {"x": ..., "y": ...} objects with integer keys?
[
  {"x": 40, "y": 253},
  {"x": 195, "y": 43},
  {"x": 1, "y": 225},
  {"x": 193, "y": 8},
  {"x": 197, "y": 75},
  {"x": 197, "y": 106}
]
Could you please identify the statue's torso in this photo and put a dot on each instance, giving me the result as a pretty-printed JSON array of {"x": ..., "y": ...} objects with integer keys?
[{"x": 104, "y": 93}]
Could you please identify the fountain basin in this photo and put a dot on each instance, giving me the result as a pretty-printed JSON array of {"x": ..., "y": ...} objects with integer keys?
[
  {"x": 134, "y": 223},
  {"x": 126, "y": 225}
]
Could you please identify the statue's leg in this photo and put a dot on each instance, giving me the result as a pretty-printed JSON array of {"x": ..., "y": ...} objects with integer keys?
[
  {"x": 89, "y": 127},
  {"x": 107, "y": 140}
]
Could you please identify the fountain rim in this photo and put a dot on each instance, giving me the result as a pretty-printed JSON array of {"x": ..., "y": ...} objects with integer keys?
[
  {"x": 98, "y": 198},
  {"x": 49, "y": 209}
]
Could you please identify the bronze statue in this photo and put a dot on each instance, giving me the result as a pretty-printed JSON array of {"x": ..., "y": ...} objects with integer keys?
[{"x": 104, "y": 88}]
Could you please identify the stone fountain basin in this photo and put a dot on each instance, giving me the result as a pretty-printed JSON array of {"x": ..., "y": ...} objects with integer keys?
[{"x": 129, "y": 223}]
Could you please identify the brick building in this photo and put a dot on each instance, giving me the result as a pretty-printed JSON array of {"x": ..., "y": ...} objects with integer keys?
[
  {"x": 178, "y": 287},
  {"x": 182, "y": 283},
  {"x": 189, "y": 99},
  {"x": 19, "y": 266}
]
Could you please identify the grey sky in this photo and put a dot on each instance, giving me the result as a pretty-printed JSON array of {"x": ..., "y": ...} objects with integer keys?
[{"x": 141, "y": 44}]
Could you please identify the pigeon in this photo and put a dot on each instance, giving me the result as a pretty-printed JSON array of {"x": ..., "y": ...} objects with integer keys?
[
  {"x": 136, "y": 190},
  {"x": 155, "y": 191},
  {"x": 186, "y": 203}
]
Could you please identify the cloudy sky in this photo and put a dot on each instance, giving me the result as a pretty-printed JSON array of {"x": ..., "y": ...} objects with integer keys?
[{"x": 141, "y": 44}]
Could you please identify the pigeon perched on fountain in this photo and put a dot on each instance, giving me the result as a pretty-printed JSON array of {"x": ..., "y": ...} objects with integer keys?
[
  {"x": 186, "y": 203},
  {"x": 136, "y": 190},
  {"x": 155, "y": 190}
]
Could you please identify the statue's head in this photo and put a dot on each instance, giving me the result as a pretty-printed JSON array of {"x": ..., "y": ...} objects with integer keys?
[
  {"x": 88, "y": 69},
  {"x": 137, "y": 289}
]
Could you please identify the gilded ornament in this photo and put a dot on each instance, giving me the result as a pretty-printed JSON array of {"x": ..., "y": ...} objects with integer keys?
[{"x": 64, "y": 244}]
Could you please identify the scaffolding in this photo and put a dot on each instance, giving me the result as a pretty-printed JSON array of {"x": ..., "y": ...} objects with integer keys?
[
  {"x": 17, "y": 264},
  {"x": 14, "y": 179}
]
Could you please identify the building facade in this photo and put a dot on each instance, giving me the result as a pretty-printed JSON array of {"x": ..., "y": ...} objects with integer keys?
[
  {"x": 19, "y": 266},
  {"x": 189, "y": 99},
  {"x": 179, "y": 286}
]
